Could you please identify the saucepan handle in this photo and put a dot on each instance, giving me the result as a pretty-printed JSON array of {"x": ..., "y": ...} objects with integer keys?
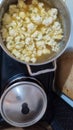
[{"x": 41, "y": 71}]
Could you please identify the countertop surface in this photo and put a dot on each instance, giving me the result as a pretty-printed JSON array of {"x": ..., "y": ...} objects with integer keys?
[{"x": 68, "y": 50}]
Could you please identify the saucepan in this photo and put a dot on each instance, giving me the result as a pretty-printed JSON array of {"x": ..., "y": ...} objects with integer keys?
[
  {"x": 66, "y": 22},
  {"x": 23, "y": 102}
]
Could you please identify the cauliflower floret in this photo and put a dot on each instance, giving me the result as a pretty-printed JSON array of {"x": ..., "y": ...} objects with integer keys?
[
  {"x": 18, "y": 47},
  {"x": 27, "y": 59},
  {"x": 46, "y": 51},
  {"x": 40, "y": 4},
  {"x": 27, "y": 20},
  {"x": 31, "y": 47},
  {"x": 34, "y": 2},
  {"x": 10, "y": 45},
  {"x": 53, "y": 12},
  {"x": 27, "y": 40},
  {"x": 37, "y": 19},
  {"x": 43, "y": 30},
  {"x": 39, "y": 52},
  {"x": 22, "y": 15},
  {"x": 47, "y": 37},
  {"x": 9, "y": 38},
  {"x": 17, "y": 17},
  {"x": 55, "y": 48},
  {"x": 21, "y": 4},
  {"x": 33, "y": 60},
  {"x": 4, "y": 33},
  {"x": 14, "y": 15},
  {"x": 12, "y": 32},
  {"x": 40, "y": 43},
  {"x": 30, "y": 26},
  {"x": 16, "y": 53},
  {"x": 35, "y": 34},
  {"x": 56, "y": 26},
  {"x": 47, "y": 21},
  {"x": 58, "y": 37},
  {"x": 17, "y": 39},
  {"x": 43, "y": 12},
  {"x": 51, "y": 42},
  {"x": 13, "y": 9},
  {"x": 23, "y": 28},
  {"x": 38, "y": 37},
  {"x": 7, "y": 19},
  {"x": 13, "y": 24}
]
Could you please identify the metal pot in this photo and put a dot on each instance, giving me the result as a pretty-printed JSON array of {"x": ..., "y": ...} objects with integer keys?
[
  {"x": 66, "y": 21},
  {"x": 24, "y": 102}
]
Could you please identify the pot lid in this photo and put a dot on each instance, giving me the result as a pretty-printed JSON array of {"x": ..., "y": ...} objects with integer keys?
[{"x": 23, "y": 104}]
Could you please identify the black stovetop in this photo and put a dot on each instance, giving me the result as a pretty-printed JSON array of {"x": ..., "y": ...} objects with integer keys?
[
  {"x": 10, "y": 68},
  {"x": 58, "y": 113}
]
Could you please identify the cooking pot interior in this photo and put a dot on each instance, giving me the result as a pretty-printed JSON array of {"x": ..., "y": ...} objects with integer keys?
[{"x": 65, "y": 20}]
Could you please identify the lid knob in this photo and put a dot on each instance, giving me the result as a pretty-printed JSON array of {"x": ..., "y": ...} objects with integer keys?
[{"x": 25, "y": 109}]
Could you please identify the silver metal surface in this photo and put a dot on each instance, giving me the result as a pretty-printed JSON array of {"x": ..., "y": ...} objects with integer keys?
[
  {"x": 63, "y": 10},
  {"x": 23, "y": 104}
]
